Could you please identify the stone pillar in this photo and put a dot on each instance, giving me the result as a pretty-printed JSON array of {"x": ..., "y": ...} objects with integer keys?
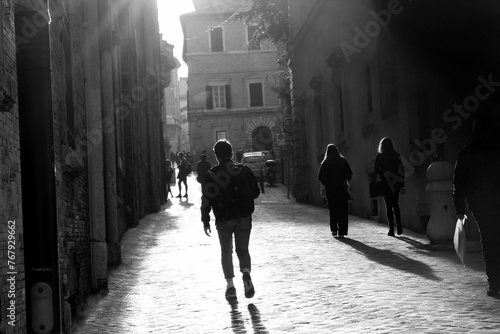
[
  {"x": 99, "y": 251},
  {"x": 441, "y": 227},
  {"x": 108, "y": 132},
  {"x": 39, "y": 202}
]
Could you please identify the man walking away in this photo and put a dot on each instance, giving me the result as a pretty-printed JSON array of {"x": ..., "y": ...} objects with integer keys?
[
  {"x": 477, "y": 180},
  {"x": 229, "y": 189}
]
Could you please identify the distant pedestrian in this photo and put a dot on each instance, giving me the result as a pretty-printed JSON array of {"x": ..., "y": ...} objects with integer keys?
[
  {"x": 202, "y": 167},
  {"x": 229, "y": 189},
  {"x": 173, "y": 158},
  {"x": 477, "y": 180},
  {"x": 189, "y": 157},
  {"x": 334, "y": 174},
  {"x": 184, "y": 170},
  {"x": 239, "y": 154},
  {"x": 389, "y": 169},
  {"x": 169, "y": 172}
]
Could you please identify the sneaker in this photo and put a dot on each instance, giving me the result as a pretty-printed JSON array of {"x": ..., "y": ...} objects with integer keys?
[
  {"x": 231, "y": 293},
  {"x": 186, "y": 195},
  {"x": 391, "y": 233},
  {"x": 334, "y": 234},
  {"x": 247, "y": 283}
]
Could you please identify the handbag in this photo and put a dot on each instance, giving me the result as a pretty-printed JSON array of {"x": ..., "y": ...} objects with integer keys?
[{"x": 460, "y": 240}]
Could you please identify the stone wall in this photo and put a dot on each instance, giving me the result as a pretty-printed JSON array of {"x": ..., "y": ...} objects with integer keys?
[{"x": 12, "y": 286}]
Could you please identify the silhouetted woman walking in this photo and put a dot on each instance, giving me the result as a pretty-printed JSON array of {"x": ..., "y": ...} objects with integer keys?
[
  {"x": 389, "y": 167},
  {"x": 334, "y": 174}
]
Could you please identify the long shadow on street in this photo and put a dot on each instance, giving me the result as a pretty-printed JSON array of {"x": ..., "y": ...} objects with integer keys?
[
  {"x": 391, "y": 259},
  {"x": 238, "y": 322},
  {"x": 472, "y": 261}
]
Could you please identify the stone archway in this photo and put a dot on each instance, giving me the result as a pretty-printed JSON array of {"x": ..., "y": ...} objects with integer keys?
[
  {"x": 262, "y": 139},
  {"x": 259, "y": 135}
]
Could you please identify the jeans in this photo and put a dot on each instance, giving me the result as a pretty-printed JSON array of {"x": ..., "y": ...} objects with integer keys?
[
  {"x": 392, "y": 208},
  {"x": 241, "y": 228},
  {"x": 339, "y": 212}
]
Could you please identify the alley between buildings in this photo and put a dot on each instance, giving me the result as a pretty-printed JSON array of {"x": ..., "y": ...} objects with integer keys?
[{"x": 306, "y": 281}]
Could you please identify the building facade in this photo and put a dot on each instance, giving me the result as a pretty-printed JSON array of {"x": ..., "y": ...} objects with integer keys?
[
  {"x": 363, "y": 70},
  {"x": 230, "y": 81},
  {"x": 171, "y": 104},
  {"x": 81, "y": 149},
  {"x": 183, "y": 104}
]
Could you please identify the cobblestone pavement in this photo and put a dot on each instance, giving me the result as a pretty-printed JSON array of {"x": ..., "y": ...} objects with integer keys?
[{"x": 306, "y": 281}]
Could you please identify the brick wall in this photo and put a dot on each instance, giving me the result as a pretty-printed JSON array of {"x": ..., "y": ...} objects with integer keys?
[
  {"x": 12, "y": 292},
  {"x": 68, "y": 98}
]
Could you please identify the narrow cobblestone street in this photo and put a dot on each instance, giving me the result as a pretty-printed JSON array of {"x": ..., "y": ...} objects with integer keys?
[{"x": 306, "y": 282}]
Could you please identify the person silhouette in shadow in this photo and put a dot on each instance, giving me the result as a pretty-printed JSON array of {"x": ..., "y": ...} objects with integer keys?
[{"x": 476, "y": 180}]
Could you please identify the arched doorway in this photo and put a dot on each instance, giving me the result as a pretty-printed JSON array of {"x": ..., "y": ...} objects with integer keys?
[{"x": 262, "y": 139}]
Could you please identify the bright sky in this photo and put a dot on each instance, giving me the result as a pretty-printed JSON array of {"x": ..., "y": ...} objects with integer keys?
[{"x": 170, "y": 26}]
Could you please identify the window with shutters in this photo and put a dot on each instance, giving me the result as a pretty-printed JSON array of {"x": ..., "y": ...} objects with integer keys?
[
  {"x": 219, "y": 97},
  {"x": 256, "y": 94},
  {"x": 216, "y": 40}
]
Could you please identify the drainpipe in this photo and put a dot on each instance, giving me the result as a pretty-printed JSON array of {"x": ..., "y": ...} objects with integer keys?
[
  {"x": 97, "y": 212},
  {"x": 38, "y": 173},
  {"x": 109, "y": 132}
]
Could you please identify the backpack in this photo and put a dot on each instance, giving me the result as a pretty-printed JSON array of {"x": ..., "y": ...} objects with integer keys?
[{"x": 238, "y": 195}]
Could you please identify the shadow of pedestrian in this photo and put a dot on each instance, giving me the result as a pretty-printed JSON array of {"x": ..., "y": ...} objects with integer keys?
[
  {"x": 237, "y": 322},
  {"x": 477, "y": 264},
  {"x": 186, "y": 204},
  {"x": 417, "y": 244},
  {"x": 258, "y": 326},
  {"x": 391, "y": 259}
]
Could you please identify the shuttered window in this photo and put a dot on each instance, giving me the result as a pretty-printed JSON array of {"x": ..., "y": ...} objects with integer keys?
[
  {"x": 256, "y": 95},
  {"x": 218, "y": 97},
  {"x": 216, "y": 41}
]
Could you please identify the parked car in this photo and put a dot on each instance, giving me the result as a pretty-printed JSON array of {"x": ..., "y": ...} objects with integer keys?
[{"x": 255, "y": 161}]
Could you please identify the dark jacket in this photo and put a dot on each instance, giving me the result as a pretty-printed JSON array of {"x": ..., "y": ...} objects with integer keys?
[
  {"x": 229, "y": 189},
  {"x": 477, "y": 171},
  {"x": 389, "y": 167},
  {"x": 183, "y": 169},
  {"x": 333, "y": 174},
  {"x": 169, "y": 172}
]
